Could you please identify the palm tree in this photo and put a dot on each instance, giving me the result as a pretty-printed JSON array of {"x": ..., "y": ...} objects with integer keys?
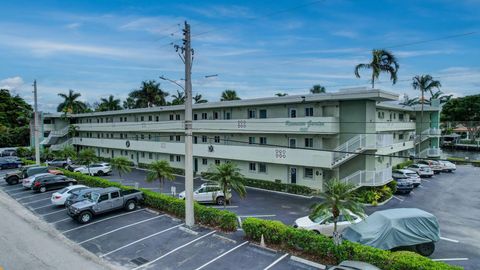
[
  {"x": 179, "y": 98},
  {"x": 72, "y": 131},
  {"x": 425, "y": 83},
  {"x": 229, "y": 95},
  {"x": 87, "y": 157},
  {"x": 337, "y": 198},
  {"x": 46, "y": 154},
  {"x": 150, "y": 94},
  {"x": 382, "y": 61},
  {"x": 129, "y": 103},
  {"x": 67, "y": 152},
  {"x": 281, "y": 94},
  {"x": 410, "y": 102},
  {"x": 317, "y": 89},
  {"x": 198, "y": 99},
  {"x": 70, "y": 103},
  {"x": 227, "y": 176},
  {"x": 440, "y": 96},
  {"x": 109, "y": 104},
  {"x": 121, "y": 164},
  {"x": 160, "y": 170}
]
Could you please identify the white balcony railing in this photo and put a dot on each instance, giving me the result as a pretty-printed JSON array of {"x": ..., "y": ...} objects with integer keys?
[
  {"x": 327, "y": 125},
  {"x": 395, "y": 147},
  {"x": 349, "y": 149},
  {"x": 432, "y": 132},
  {"x": 369, "y": 178},
  {"x": 389, "y": 126}
]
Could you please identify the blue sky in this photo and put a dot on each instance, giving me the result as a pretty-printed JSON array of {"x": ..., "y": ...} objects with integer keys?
[{"x": 108, "y": 47}]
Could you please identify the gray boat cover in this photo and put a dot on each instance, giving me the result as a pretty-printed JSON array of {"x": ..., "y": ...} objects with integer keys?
[{"x": 394, "y": 228}]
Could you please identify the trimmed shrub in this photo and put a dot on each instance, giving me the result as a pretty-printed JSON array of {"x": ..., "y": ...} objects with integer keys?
[
  {"x": 375, "y": 195},
  {"x": 323, "y": 250},
  {"x": 222, "y": 219}
]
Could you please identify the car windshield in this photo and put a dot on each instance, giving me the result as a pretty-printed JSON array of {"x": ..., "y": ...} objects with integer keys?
[
  {"x": 93, "y": 197},
  {"x": 316, "y": 218},
  {"x": 63, "y": 190}
]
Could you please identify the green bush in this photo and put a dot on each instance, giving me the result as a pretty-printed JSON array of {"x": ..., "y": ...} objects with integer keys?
[
  {"x": 404, "y": 164},
  {"x": 208, "y": 216},
  {"x": 323, "y": 250},
  {"x": 27, "y": 161},
  {"x": 289, "y": 188},
  {"x": 375, "y": 195}
]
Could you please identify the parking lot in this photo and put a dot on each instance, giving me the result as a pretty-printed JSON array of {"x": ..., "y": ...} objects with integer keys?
[{"x": 144, "y": 239}]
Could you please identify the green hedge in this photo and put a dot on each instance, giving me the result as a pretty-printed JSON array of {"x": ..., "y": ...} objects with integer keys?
[
  {"x": 404, "y": 164},
  {"x": 463, "y": 161},
  {"x": 224, "y": 220},
  {"x": 28, "y": 161},
  {"x": 323, "y": 250}
]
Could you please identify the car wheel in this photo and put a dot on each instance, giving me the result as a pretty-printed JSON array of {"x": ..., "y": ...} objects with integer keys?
[
  {"x": 130, "y": 205},
  {"x": 425, "y": 249},
  {"x": 43, "y": 189},
  {"x": 85, "y": 217},
  {"x": 100, "y": 173},
  {"x": 220, "y": 200}
]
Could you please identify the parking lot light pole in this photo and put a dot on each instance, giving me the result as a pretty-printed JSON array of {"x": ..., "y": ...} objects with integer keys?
[{"x": 36, "y": 124}]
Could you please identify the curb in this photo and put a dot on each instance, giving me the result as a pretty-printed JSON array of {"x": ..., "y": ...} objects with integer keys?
[
  {"x": 307, "y": 262},
  {"x": 379, "y": 204},
  {"x": 281, "y": 192}
]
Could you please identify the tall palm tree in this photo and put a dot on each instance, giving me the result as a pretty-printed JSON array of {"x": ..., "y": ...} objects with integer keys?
[
  {"x": 179, "y": 98},
  {"x": 121, "y": 165},
  {"x": 160, "y": 170},
  {"x": 109, "y": 104},
  {"x": 382, "y": 61},
  {"x": 227, "y": 176},
  {"x": 199, "y": 99},
  {"x": 149, "y": 94},
  {"x": 87, "y": 157},
  {"x": 129, "y": 103},
  {"x": 67, "y": 152},
  {"x": 70, "y": 103},
  {"x": 281, "y": 94},
  {"x": 318, "y": 89},
  {"x": 440, "y": 96},
  {"x": 337, "y": 198},
  {"x": 229, "y": 95},
  {"x": 410, "y": 102}
]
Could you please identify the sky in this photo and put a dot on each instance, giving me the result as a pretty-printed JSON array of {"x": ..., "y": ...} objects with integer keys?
[{"x": 258, "y": 48}]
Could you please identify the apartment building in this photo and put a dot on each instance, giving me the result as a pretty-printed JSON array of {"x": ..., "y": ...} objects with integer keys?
[{"x": 355, "y": 134}]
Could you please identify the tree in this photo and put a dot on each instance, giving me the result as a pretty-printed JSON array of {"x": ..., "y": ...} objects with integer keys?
[
  {"x": 46, "y": 154},
  {"x": 87, "y": 157},
  {"x": 109, "y": 104},
  {"x": 70, "y": 103},
  {"x": 464, "y": 111},
  {"x": 148, "y": 95},
  {"x": 228, "y": 177},
  {"x": 198, "y": 99},
  {"x": 440, "y": 96},
  {"x": 67, "y": 152},
  {"x": 337, "y": 198},
  {"x": 382, "y": 61},
  {"x": 317, "y": 89},
  {"x": 281, "y": 94},
  {"x": 72, "y": 131},
  {"x": 129, "y": 103},
  {"x": 179, "y": 98},
  {"x": 24, "y": 152},
  {"x": 121, "y": 165},
  {"x": 160, "y": 170},
  {"x": 409, "y": 102},
  {"x": 15, "y": 116},
  {"x": 229, "y": 95}
]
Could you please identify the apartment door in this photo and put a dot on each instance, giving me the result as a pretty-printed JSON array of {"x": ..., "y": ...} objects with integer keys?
[
  {"x": 292, "y": 113},
  {"x": 195, "y": 165},
  {"x": 293, "y": 175},
  {"x": 292, "y": 143}
]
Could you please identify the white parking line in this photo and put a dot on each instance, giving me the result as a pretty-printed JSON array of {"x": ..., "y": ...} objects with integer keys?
[
  {"x": 398, "y": 198},
  {"x": 31, "y": 196},
  {"x": 227, "y": 207},
  {"x": 257, "y": 216},
  {"x": 36, "y": 201},
  {"x": 53, "y": 212},
  {"x": 50, "y": 205},
  {"x": 139, "y": 240},
  {"x": 15, "y": 193},
  {"x": 173, "y": 250},
  {"x": 61, "y": 220},
  {"x": 98, "y": 221},
  {"x": 450, "y": 259},
  {"x": 450, "y": 240},
  {"x": 121, "y": 228},
  {"x": 223, "y": 254},
  {"x": 276, "y": 261}
]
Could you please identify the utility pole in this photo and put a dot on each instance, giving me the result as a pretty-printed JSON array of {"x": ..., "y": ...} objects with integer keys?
[
  {"x": 36, "y": 124},
  {"x": 187, "y": 58}
]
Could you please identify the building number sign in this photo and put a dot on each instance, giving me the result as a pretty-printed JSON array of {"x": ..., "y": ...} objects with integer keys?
[
  {"x": 279, "y": 153},
  {"x": 242, "y": 124}
]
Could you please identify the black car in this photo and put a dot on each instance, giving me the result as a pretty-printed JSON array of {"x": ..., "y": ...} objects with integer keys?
[
  {"x": 80, "y": 195},
  {"x": 404, "y": 186},
  {"x": 50, "y": 182}
]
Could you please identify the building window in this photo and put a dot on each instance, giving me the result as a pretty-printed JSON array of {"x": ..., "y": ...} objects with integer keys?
[
  {"x": 204, "y": 116},
  {"x": 204, "y": 161},
  {"x": 179, "y": 158},
  {"x": 263, "y": 140},
  {"x": 149, "y": 118},
  {"x": 204, "y": 139},
  {"x": 195, "y": 139},
  {"x": 177, "y": 138},
  {"x": 227, "y": 115},
  {"x": 308, "y": 173},
  {"x": 143, "y": 154},
  {"x": 309, "y": 142},
  {"x": 381, "y": 115},
  {"x": 171, "y": 137},
  {"x": 215, "y": 115},
  {"x": 150, "y": 155},
  {"x": 262, "y": 168},
  {"x": 292, "y": 113},
  {"x": 157, "y": 118},
  {"x": 400, "y": 116},
  {"x": 171, "y": 116},
  {"x": 251, "y": 140},
  {"x": 177, "y": 117},
  {"x": 142, "y": 136},
  {"x": 263, "y": 113},
  {"x": 400, "y": 136},
  {"x": 252, "y": 114},
  {"x": 125, "y": 136},
  {"x": 172, "y": 158},
  {"x": 111, "y": 135},
  {"x": 195, "y": 117},
  {"x": 217, "y": 161},
  {"x": 149, "y": 137},
  {"x": 308, "y": 112},
  {"x": 252, "y": 166},
  {"x": 121, "y": 119},
  {"x": 121, "y": 135},
  {"x": 125, "y": 119},
  {"x": 217, "y": 139},
  {"x": 142, "y": 118}
]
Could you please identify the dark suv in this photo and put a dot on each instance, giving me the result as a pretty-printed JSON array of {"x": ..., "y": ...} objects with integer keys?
[{"x": 50, "y": 182}]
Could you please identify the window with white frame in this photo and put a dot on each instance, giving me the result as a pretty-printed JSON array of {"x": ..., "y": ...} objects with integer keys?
[
  {"x": 150, "y": 155},
  {"x": 171, "y": 117},
  {"x": 309, "y": 112},
  {"x": 179, "y": 158},
  {"x": 251, "y": 140},
  {"x": 172, "y": 158},
  {"x": 262, "y": 114},
  {"x": 177, "y": 117},
  {"x": 308, "y": 173},
  {"x": 217, "y": 161},
  {"x": 262, "y": 168},
  {"x": 252, "y": 114},
  {"x": 177, "y": 138},
  {"x": 204, "y": 161},
  {"x": 204, "y": 116},
  {"x": 216, "y": 139},
  {"x": 204, "y": 139},
  {"x": 252, "y": 166},
  {"x": 309, "y": 142},
  {"x": 263, "y": 140}
]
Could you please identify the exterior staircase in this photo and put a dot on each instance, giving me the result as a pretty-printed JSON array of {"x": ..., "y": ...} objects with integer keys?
[
  {"x": 369, "y": 178},
  {"x": 349, "y": 149}
]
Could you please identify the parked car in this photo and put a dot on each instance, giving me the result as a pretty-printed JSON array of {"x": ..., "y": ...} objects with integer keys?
[
  {"x": 8, "y": 163},
  {"x": 99, "y": 169},
  {"x": 397, "y": 228},
  {"x": 448, "y": 166},
  {"x": 15, "y": 177},
  {"x": 411, "y": 175},
  {"x": 103, "y": 201},
  {"x": 50, "y": 182},
  {"x": 208, "y": 193},
  {"x": 80, "y": 195},
  {"x": 28, "y": 182},
  {"x": 9, "y": 152},
  {"x": 59, "y": 197},
  {"x": 353, "y": 265},
  {"x": 404, "y": 185},
  {"x": 421, "y": 170},
  {"x": 324, "y": 223},
  {"x": 62, "y": 163},
  {"x": 434, "y": 165}
]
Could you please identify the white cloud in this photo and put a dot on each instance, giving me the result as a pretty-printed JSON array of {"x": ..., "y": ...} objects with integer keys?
[
  {"x": 12, "y": 83},
  {"x": 154, "y": 25},
  {"x": 346, "y": 34},
  {"x": 73, "y": 26},
  {"x": 406, "y": 54},
  {"x": 222, "y": 11}
]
